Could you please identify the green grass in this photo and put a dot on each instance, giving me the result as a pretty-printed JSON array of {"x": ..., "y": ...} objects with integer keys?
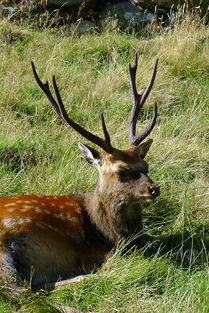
[{"x": 39, "y": 154}]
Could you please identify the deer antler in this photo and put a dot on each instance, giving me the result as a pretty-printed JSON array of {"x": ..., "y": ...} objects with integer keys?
[
  {"x": 139, "y": 100},
  {"x": 58, "y": 106}
]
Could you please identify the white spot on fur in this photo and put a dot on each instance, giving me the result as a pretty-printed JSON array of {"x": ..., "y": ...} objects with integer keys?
[
  {"x": 10, "y": 204},
  {"x": 73, "y": 219},
  {"x": 57, "y": 215},
  {"x": 41, "y": 203},
  {"x": 10, "y": 222},
  {"x": 52, "y": 227},
  {"x": 40, "y": 225},
  {"x": 37, "y": 210},
  {"x": 28, "y": 220},
  {"x": 26, "y": 208},
  {"x": 62, "y": 217},
  {"x": 10, "y": 210}
]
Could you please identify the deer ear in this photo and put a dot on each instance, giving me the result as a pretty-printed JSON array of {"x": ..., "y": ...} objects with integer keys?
[
  {"x": 144, "y": 148},
  {"x": 91, "y": 155}
]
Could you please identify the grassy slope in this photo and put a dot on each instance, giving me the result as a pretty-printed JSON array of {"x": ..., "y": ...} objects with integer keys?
[{"x": 39, "y": 154}]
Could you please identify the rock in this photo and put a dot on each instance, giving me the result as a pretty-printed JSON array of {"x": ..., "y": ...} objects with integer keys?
[
  {"x": 150, "y": 7},
  {"x": 5, "y": 3},
  {"x": 82, "y": 27},
  {"x": 126, "y": 14},
  {"x": 6, "y": 11},
  {"x": 59, "y": 3},
  {"x": 168, "y": 4},
  {"x": 173, "y": 4}
]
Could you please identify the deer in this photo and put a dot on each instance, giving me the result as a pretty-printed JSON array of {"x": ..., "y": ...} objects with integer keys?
[{"x": 45, "y": 239}]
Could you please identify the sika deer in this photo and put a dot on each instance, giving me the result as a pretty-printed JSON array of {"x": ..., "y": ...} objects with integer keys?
[{"x": 47, "y": 238}]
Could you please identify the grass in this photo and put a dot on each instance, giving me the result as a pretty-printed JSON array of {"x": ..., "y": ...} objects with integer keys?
[{"x": 39, "y": 154}]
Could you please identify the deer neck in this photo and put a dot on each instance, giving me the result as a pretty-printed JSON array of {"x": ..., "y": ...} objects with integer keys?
[{"x": 113, "y": 217}]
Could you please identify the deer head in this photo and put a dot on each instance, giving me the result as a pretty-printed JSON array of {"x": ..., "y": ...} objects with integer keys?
[{"x": 123, "y": 174}]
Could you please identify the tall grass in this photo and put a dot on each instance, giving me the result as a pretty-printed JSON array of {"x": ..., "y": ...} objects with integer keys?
[{"x": 39, "y": 153}]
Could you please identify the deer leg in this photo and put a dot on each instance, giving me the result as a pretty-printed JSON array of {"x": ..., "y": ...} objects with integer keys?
[
  {"x": 67, "y": 309},
  {"x": 66, "y": 282}
]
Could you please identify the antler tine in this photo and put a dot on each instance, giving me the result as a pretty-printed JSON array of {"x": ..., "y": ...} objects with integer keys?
[
  {"x": 106, "y": 135},
  {"x": 60, "y": 110},
  {"x": 46, "y": 90},
  {"x": 139, "y": 100},
  {"x": 138, "y": 139}
]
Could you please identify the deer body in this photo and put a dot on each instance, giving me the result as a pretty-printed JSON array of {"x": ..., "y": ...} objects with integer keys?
[{"x": 47, "y": 238}]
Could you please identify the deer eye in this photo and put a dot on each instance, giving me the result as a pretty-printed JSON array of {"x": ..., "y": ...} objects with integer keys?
[
  {"x": 135, "y": 175},
  {"x": 121, "y": 174}
]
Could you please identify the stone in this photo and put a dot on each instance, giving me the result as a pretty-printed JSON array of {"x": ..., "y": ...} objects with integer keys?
[
  {"x": 6, "y": 11},
  {"x": 173, "y": 4},
  {"x": 149, "y": 6},
  {"x": 127, "y": 15},
  {"x": 168, "y": 4},
  {"x": 82, "y": 27},
  {"x": 59, "y": 3}
]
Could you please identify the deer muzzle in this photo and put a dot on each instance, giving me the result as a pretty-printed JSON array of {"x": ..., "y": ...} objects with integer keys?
[{"x": 154, "y": 190}]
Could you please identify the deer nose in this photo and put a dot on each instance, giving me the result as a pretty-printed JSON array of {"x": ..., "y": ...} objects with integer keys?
[{"x": 154, "y": 190}]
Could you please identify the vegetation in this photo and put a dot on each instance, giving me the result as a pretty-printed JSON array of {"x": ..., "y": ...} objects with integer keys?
[{"x": 39, "y": 154}]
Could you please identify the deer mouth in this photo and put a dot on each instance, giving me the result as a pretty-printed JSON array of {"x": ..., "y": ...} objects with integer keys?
[
  {"x": 142, "y": 198},
  {"x": 153, "y": 194},
  {"x": 148, "y": 199}
]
